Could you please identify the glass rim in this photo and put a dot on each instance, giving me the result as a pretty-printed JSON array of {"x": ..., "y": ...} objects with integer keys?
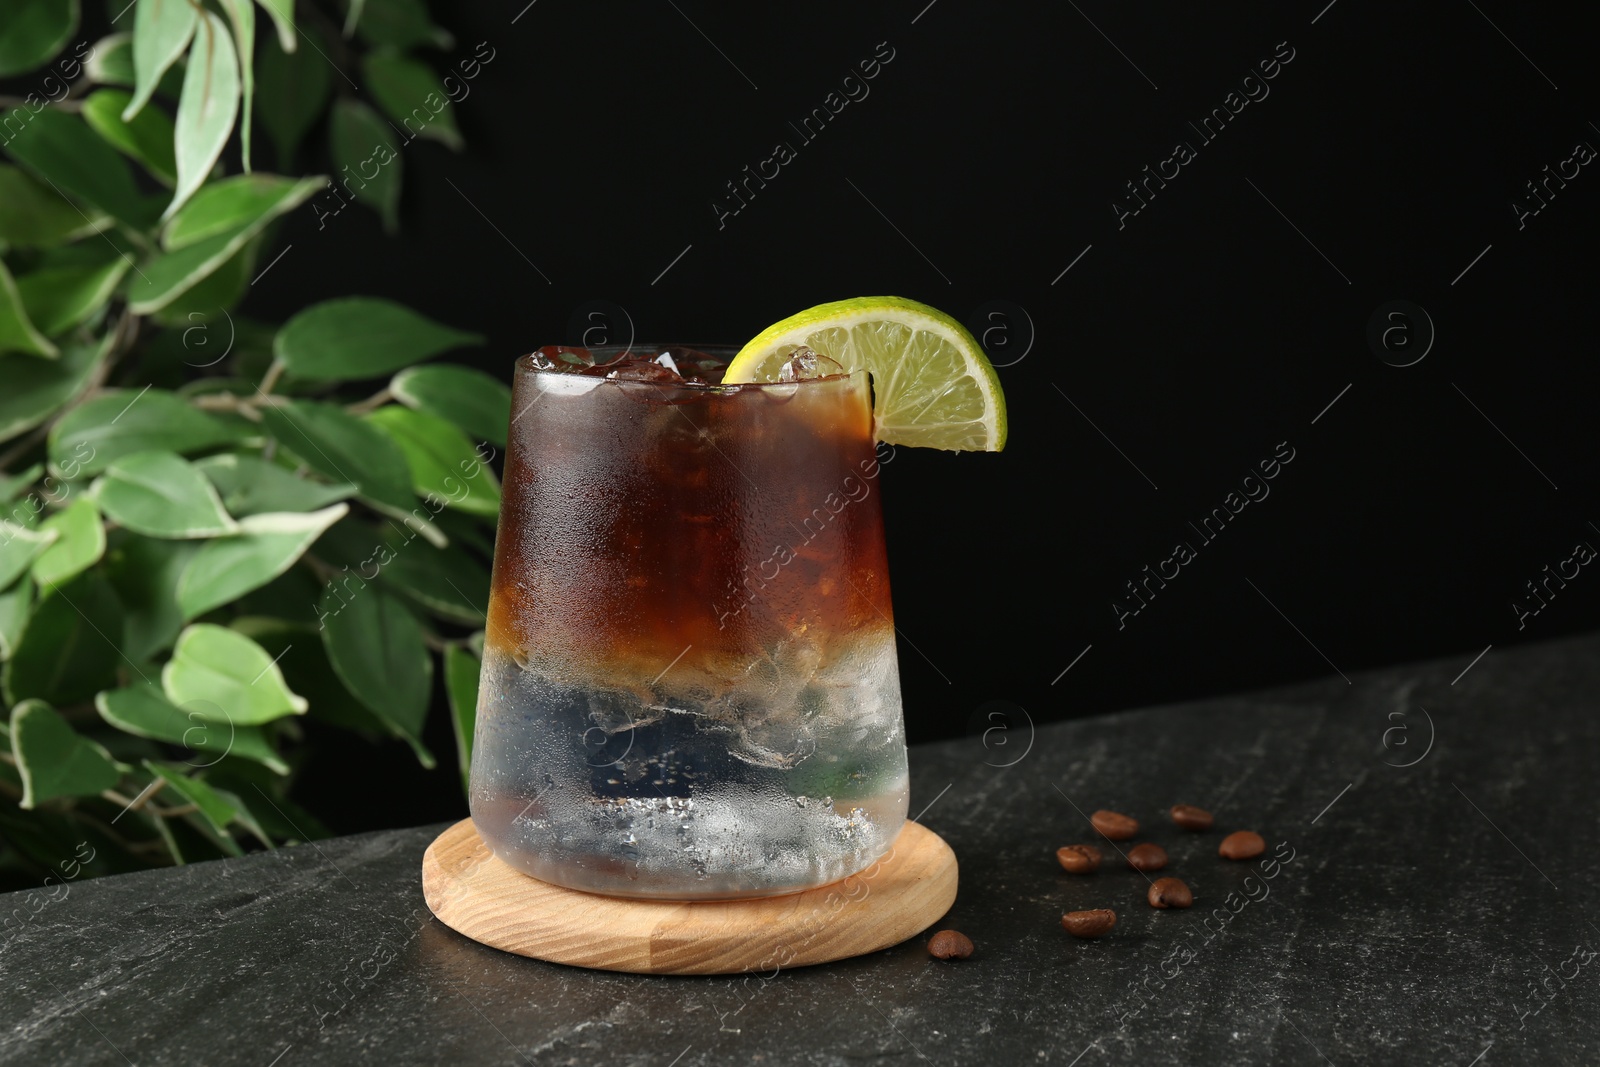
[{"x": 523, "y": 365}]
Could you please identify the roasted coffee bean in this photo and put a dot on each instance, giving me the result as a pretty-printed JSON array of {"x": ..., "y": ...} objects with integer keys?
[
  {"x": 1242, "y": 845},
  {"x": 1113, "y": 825},
  {"x": 1169, "y": 893},
  {"x": 1094, "y": 923},
  {"x": 1189, "y": 817},
  {"x": 1079, "y": 859},
  {"x": 1147, "y": 857},
  {"x": 950, "y": 945}
]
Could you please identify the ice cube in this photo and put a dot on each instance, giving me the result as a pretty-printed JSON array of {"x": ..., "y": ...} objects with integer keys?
[
  {"x": 672, "y": 365},
  {"x": 570, "y": 384},
  {"x": 804, "y": 364},
  {"x": 566, "y": 358},
  {"x": 632, "y": 369}
]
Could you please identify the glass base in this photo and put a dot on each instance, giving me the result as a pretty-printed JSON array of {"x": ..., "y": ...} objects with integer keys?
[
  {"x": 691, "y": 848},
  {"x": 666, "y": 796}
]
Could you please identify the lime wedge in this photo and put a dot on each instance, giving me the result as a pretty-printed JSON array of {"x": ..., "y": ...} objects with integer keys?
[{"x": 932, "y": 385}]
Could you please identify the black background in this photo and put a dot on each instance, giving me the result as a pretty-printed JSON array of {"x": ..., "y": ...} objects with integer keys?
[{"x": 1218, "y": 322}]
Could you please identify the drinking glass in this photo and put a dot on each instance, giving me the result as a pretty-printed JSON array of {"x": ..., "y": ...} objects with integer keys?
[{"x": 689, "y": 685}]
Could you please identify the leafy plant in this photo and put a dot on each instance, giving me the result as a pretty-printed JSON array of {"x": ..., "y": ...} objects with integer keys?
[{"x": 205, "y": 538}]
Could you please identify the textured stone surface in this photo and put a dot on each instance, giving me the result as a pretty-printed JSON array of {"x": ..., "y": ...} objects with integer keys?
[{"x": 1437, "y": 913}]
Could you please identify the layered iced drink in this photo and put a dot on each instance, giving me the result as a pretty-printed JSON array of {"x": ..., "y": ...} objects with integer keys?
[{"x": 689, "y": 686}]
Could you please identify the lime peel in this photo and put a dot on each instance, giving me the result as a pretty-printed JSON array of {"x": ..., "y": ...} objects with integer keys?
[{"x": 932, "y": 385}]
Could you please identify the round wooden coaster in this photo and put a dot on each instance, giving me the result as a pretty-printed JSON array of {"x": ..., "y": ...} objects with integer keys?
[{"x": 898, "y": 897}]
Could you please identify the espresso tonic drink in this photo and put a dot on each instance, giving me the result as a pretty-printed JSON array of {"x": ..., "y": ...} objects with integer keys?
[{"x": 689, "y": 684}]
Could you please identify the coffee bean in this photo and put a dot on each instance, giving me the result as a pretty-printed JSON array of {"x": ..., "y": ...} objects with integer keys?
[
  {"x": 1147, "y": 857},
  {"x": 1079, "y": 859},
  {"x": 1114, "y": 825},
  {"x": 1169, "y": 893},
  {"x": 950, "y": 945},
  {"x": 1189, "y": 817},
  {"x": 1089, "y": 923},
  {"x": 1242, "y": 845}
]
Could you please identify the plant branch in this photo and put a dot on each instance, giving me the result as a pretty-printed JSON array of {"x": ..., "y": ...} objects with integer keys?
[
  {"x": 371, "y": 403},
  {"x": 274, "y": 372},
  {"x": 250, "y": 407},
  {"x": 135, "y": 803}
]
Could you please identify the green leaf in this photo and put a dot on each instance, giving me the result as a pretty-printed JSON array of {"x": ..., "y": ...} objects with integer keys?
[
  {"x": 11, "y": 485},
  {"x": 245, "y": 202},
  {"x": 35, "y": 30},
  {"x": 163, "y": 829},
  {"x": 361, "y": 337},
  {"x": 266, "y": 546},
  {"x": 60, "y": 298},
  {"x": 246, "y": 819},
  {"x": 33, "y": 215},
  {"x": 281, "y": 817},
  {"x": 352, "y": 16},
  {"x": 111, "y": 62},
  {"x": 310, "y": 674},
  {"x": 80, "y": 542},
  {"x": 54, "y": 760},
  {"x": 215, "y": 666},
  {"x": 146, "y": 138},
  {"x": 446, "y": 581},
  {"x": 361, "y": 142},
  {"x": 251, "y": 486},
  {"x": 161, "y": 31},
  {"x": 291, "y": 596},
  {"x": 400, "y": 24},
  {"x": 245, "y": 342},
  {"x": 340, "y": 446},
  {"x": 414, "y": 97},
  {"x": 169, "y": 276},
  {"x": 442, "y": 460},
  {"x": 160, "y": 494},
  {"x": 217, "y": 811},
  {"x": 294, "y": 90},
  {"x": 15, "y": 604},
  {"x": 212, "y": 296},
  {"x": 17, "y": 331},
  {"x": 61, "y": 149},
  {"x": 242, "y": 14},
  {"x": 78, "y": 253},
  {"x": 145, "y": 571},
  {"x": 124, "y": 421},
  {"x": 19, "y": 547},
  {"x": 461, "y": 671},
  {"x": 67, "y": 651},
  {"x": 207, "y": 108},
  {"x": 144, "y": 711},
  {"x": 376, "y": 646},
  {"x": 471, "y": 399},
  {"x": 36, "y": 388},
  {"x": 282, "y": 14}
]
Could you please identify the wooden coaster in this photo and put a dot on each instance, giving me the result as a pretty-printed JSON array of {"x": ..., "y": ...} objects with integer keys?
[{"x": 898, "y": 897}]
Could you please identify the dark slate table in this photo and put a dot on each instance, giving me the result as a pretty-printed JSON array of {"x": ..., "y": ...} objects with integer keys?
[{"x": 1435, "y": 905}]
